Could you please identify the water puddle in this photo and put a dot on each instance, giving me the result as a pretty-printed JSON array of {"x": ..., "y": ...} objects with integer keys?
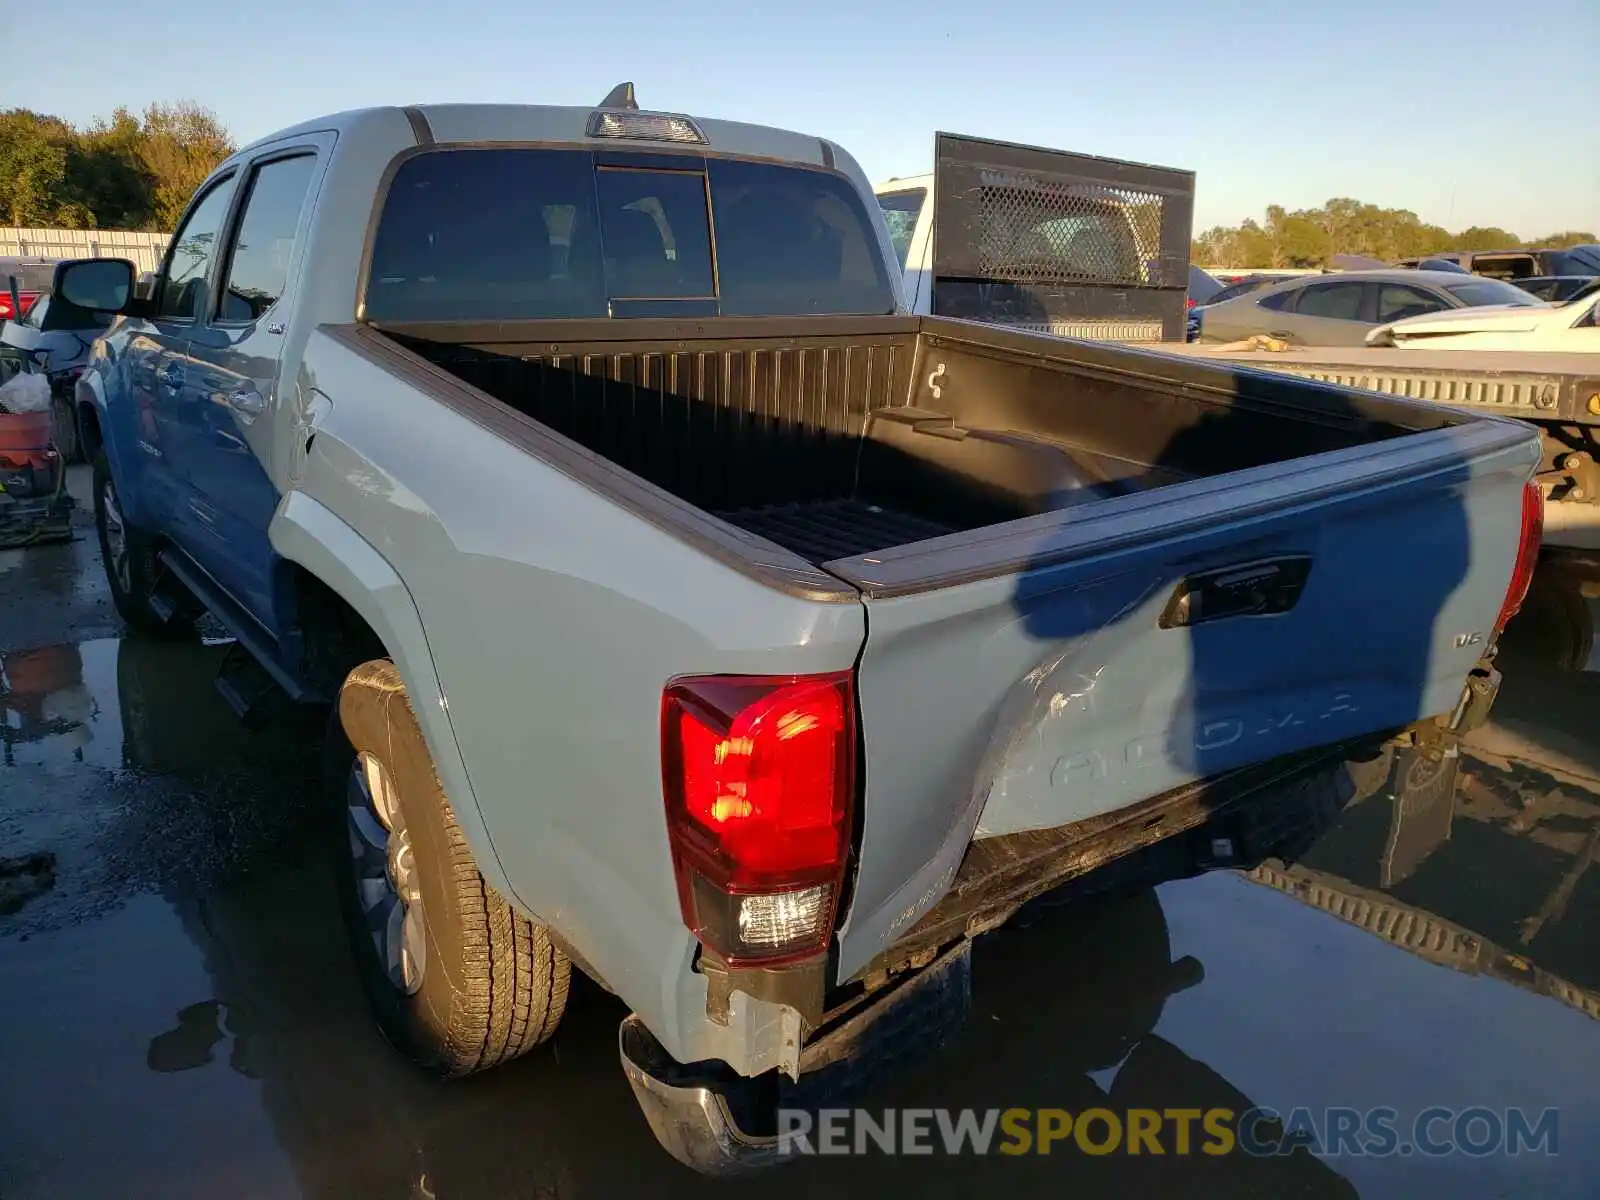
[{"x": 173, "y": 976}]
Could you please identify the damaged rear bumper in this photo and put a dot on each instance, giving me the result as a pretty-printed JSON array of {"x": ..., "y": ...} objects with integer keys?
[
  {"x": 721, "y": 1124},
  {"x": 710, "y": 1118}
]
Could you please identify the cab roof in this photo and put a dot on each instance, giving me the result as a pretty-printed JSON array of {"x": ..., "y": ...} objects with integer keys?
[{"x": 512, "y": 123}]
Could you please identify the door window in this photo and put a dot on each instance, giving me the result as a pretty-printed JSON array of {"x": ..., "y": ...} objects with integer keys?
[
  {"x": 258, "y": 264},
  {"x": 900, "y": 212},
  {"x": 178, "y": 290},
  {"x": 1396, "y": 302},
  {"x": 1340, "y": 301},
  {"x": 1477, "y": 292}
]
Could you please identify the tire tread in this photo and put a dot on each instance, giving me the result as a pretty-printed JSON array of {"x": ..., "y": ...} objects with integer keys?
[{"x": 515, "y": 978}]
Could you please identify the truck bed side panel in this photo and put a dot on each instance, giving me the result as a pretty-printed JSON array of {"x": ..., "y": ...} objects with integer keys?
[{"x": 554, "y": 616}]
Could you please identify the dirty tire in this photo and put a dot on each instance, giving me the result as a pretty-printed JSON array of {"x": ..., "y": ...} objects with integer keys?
[
  {"x": 65, "y": 430},
  {"x": 1554, "y": 627},
  {"x": 131, "y": 589},
  {"x": 493, "y": 985}
]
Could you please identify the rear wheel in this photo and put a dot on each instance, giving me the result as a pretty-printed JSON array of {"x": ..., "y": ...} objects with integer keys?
[
  {"x": 130, "y": 561},
  {"x": 458, "y": 980},
  {"x": 1554, "y": 626}
]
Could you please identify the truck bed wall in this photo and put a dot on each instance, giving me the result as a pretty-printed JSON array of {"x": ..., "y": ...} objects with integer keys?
[
  {"x": 726, "y": 425},
  {"x": 948, "y": 426}
]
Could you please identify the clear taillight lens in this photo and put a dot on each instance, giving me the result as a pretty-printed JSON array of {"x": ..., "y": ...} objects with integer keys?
[{"x": 644, "y": 126}]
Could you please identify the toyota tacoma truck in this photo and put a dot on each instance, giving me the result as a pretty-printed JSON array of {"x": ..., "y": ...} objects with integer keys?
[{"x": 691, "y": 614}]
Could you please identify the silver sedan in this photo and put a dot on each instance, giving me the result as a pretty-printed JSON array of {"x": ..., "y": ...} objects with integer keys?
[{"x": 1339, "y": 309}]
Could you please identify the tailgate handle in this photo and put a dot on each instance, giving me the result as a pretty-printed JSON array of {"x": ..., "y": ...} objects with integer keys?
[{"x": 1253, "y": 589}]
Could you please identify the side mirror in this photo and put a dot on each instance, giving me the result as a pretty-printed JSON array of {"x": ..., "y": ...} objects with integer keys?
[{"x": 98, "y": 284}]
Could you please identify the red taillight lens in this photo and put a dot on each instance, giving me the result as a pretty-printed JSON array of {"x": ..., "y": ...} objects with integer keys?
[
  {"x": 1527, "y": 554},
  {"x": 759, "y": 778},
  {"x": 1188, "y": 301}
]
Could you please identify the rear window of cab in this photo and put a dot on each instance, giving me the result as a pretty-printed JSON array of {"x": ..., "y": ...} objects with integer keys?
[{"x": 507, "y": 234}]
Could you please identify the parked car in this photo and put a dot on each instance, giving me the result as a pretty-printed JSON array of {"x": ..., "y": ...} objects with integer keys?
[
  {"x": 1339, "y": 310},
  {"x": 1226, "y": 292},
  {"x": 1559, "y": 289},
  {"x": 1203, "y": 289},
  {"x": 733, "y": 634},
  {"x": 1574, "y": 326},
  {"x": 32, "y": 276},
  {"x": 1516, "y": 265},
  {"x": 1243, "y": 287},
  {"x": 58, "y": 336}
]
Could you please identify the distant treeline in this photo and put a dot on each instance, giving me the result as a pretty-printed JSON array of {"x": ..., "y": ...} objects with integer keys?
[
  {"x": 1310, "y": 237},
  {"x": 129, "y": 172}
]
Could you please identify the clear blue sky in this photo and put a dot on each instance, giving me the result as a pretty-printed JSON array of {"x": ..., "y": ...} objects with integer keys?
[{"x": 1465, "y": 111}]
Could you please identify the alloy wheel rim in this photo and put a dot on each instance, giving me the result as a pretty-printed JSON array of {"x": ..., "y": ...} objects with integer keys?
[{"x": 385, "y": 870}]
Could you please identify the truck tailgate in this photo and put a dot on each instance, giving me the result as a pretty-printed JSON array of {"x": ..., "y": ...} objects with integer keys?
[{"x": 1074, "y": 663}]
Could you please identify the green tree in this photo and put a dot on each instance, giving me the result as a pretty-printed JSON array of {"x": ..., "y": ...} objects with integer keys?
[
  {"x": 1571, "y": 237},
  {"x": 1311, "y": 237},
  {"x": 181, "y": 145},
  {"x": 1486, "y": 237},
  {"x": 1302, "y": 242},
  {"x": 1298, "y": 239},
  {"x": 107, "y": 172},
  {"x": 128, "y": 172},
  {"x": 1434, "y": 239},
  {"x": 33, "y": 170}
]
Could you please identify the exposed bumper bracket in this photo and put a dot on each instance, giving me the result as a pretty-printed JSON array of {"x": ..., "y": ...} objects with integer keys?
[{"x": 723, "y": 1124}]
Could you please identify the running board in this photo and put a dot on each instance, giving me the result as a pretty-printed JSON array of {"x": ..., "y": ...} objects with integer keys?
[{"x": 263, "y": 648}]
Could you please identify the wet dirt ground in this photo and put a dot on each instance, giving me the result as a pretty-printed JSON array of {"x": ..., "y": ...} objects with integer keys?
[{"x": 177, "y": 1016}]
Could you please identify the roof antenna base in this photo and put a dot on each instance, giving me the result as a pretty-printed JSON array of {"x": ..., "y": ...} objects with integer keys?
[{"x": 620, "y": 96}]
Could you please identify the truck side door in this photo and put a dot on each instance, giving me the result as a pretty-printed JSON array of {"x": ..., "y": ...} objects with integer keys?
[
  {"x": 235, "y": 383},
  {"x": 147, "y": 430}
]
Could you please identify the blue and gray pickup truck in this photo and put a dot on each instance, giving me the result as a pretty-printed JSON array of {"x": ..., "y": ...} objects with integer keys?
[{"x": 691, "y": 614}]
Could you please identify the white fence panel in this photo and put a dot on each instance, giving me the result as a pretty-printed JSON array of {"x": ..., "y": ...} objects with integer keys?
[{"x": 143, "y": 249}]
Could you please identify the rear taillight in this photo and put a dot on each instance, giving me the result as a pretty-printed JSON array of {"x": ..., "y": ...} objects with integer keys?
[
  {"x": 759, "y": 778},
  {"x": 1188, "y": 301},
  {"x": 1527, "y": 553}
]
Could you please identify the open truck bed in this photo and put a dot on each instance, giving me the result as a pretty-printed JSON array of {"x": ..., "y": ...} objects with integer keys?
[
  {"x": 841, "y": 444},
  {"x": 1091, "y": 574}
]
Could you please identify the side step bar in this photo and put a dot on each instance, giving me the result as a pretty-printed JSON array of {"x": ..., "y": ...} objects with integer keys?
[{"x": 245, "y": 630}]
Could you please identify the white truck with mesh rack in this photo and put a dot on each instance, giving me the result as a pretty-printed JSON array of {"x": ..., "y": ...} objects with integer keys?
[{"x": 1044, "y": 240}]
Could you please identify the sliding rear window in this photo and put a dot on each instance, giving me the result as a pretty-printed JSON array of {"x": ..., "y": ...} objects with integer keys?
[{"x": 507, "y": 234}]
